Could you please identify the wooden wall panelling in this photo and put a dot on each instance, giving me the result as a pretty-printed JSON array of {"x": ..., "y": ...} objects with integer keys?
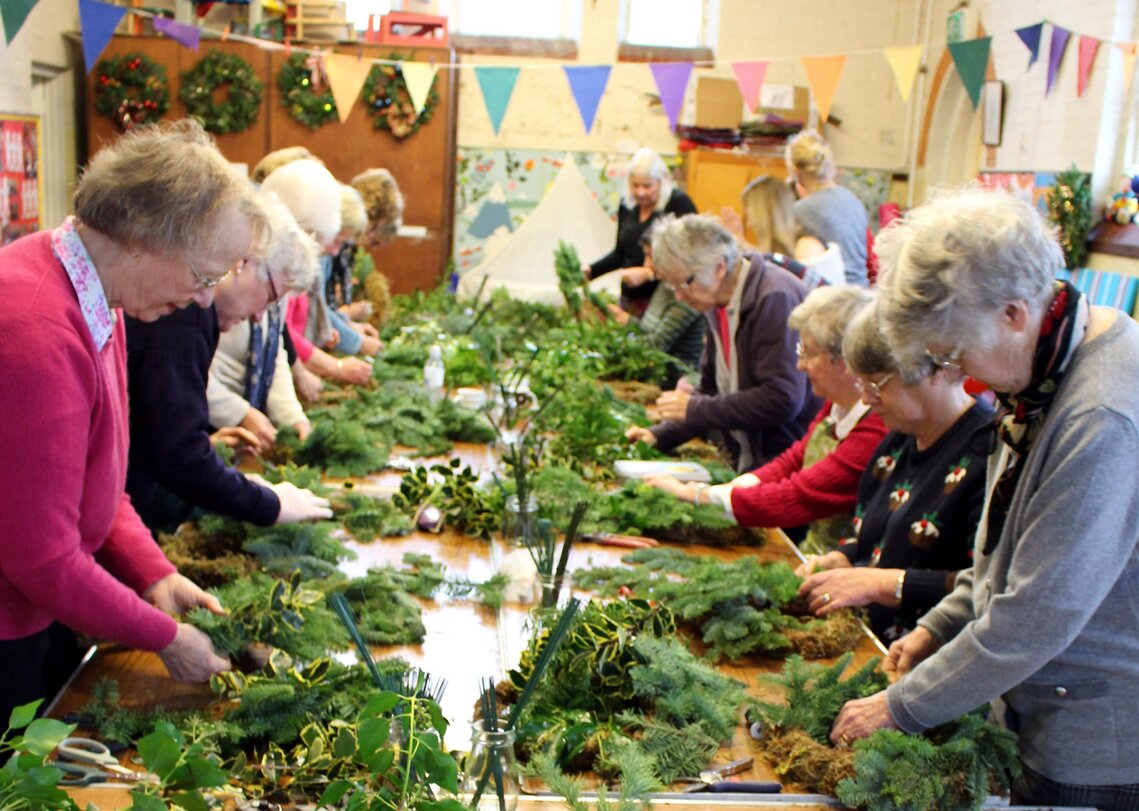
[{"x": 714, "y": 178}]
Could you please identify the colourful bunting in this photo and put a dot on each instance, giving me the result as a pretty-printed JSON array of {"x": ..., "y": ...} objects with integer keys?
[
  {"x": 587, "y": 83},
  {"x": 1088, "y": 48},
  {"x": 672, "y": 81},
  {"x": 1030, "y": 36},
  {"x": 346, "y": 77},
  {"x": 1129, "y": 53},
  {"x": 418, "y": 76},
  {"x": 497, "y": 85},
  {"x": 905, "y": 62},
  {"x": 185, "y": 35},
  {"x": 749, "y": 77},
  {"x": 15, "y": 12},
  {"x": 98, "y": 22},
  {"x": 1059, "y": 43},
  {"x": 971, "y": 56},
  {"x": 823, "y": 73}
]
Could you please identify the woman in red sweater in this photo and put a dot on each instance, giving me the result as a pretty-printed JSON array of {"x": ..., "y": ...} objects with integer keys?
[
  {"x": 74, "y": 556},
  {"x": 815, "y": 481}
]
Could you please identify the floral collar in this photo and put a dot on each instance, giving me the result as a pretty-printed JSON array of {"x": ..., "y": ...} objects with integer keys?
[{"x": 72, "y": 254}]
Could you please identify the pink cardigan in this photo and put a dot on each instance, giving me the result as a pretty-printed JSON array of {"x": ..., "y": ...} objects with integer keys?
[{"x": 72, "y": 547}]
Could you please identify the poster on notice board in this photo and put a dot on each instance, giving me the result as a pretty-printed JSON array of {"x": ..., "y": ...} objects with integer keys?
[{"x": 20, "y": 209}]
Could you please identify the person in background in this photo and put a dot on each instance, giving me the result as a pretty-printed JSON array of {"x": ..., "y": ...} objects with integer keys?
[
  {"x": 815, "y": 481},
  {"x": 667, "y": 324},
  {"x": 173, "y": 467},
  {"x": 751, "y": 394},
  {"x": 920, "y": 498},
  {"x": 383, "y": 203},
  {"x": 1044, "y": 627},
  {"x": 160, "y": 219},
  {"x": 353, "y": 338},
  {"x": 278, "y": 158},
  {"x": 825, "y": 210},
  {"x": 649, "y": 193}
]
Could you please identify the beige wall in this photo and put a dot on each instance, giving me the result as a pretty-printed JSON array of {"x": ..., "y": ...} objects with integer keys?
[{"x": 40, "y": 40}]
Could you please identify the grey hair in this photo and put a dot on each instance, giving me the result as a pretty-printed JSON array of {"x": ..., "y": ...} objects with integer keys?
[
  {"x": 383, "y": 201},
  {"x": 950, "y": 265},
  {"x": 693, "y": 244},
  {"x": 810, "y": 155},
  {"x": 288, "y": 251},
  {"x": 353, "y": 215},
  {"x": 825, "y": 313},
  {"x": 311, "y": 194},
  {"x": 647, "y": 163},
  {"x": 867, "y": 352},
  {"x": 278, "y": 158},
  {"x": 162, "y": 188}
]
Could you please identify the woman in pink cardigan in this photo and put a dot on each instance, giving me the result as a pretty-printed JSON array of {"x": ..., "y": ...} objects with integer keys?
[{"x": 74, "y": 556}]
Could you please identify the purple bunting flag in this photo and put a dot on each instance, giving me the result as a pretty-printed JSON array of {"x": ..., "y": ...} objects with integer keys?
[
  {"x": 185, "y": 35},
  {"x": 1059, "y": 43},
  {"x": 672, "y": 81}
]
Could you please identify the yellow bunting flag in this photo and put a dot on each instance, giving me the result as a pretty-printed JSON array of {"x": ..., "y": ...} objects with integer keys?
[
  {"x": 346, "y": 77},
  {"x": 905, "y": 63},
  {"x": 418, "y": 76},
  {"x": 1129, "y": 49},
  {"x": 823, "y": 73}
]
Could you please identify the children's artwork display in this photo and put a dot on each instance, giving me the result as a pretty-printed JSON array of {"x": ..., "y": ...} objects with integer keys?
[{"x": 20, "y": 210}]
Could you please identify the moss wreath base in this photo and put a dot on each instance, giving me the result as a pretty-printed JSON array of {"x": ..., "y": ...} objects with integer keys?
[
  {"x": 307, "y": 106},
  {"x": 242, "y": 102},
  {"x": 389, "y": 102},
  {"x": 131, "y": 89}
]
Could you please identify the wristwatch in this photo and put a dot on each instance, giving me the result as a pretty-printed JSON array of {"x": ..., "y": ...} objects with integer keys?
[
  {"x": 899, "y": 586},
  {"x": 700, "y": 488}
]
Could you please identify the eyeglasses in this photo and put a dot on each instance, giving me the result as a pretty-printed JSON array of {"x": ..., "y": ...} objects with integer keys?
[
  {"x": 682, "y": 287},
  {"x": 950, "y": 362},
  {"x": 872, "y": 387},
  {"x": 802, "y": 354},
  {"x": 273, "y": 287},
  {"x": 205, "y": 282}
]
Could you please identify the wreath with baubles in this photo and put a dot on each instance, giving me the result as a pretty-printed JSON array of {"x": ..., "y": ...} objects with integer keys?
[
  {"x": 303, "y": 98},
  {"x": 389, "y": 102},
  {"x": 131, "y": 89},
  {"x": 241, "y": 103}
]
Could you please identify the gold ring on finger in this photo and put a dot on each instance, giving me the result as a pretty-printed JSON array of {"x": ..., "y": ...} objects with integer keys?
[{"x": 826, "y": 597}]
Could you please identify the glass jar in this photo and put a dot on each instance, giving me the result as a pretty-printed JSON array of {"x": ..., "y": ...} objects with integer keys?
[
  {"x": 518, "y": 523},
  {"x": 551, "y": 591},
  {"x": 491, "y": 779}
]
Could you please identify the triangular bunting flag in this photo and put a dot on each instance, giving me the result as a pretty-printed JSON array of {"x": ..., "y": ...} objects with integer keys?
[
  {"x": 904, "y": 62},
  {"x": 1030, "y": 36},
  {"x": 14, "y": 13},
  {"x": 823, "y": 73},
  {"x": 346, "y": 76},
  {"x": 418, "y": 76},
  {"x": 1088, "y": 48},
  {"x": 587, "y": 83},
  {"x": 497, "y": 85},
  {"x": 971, "y": 56},
  {"x": 672, "y": 81},
  {"x": 186, "y": 35},
  {"x": 98, "y": 22},
  {"x": 1129, "y": 53},
  {"x": 1059, "y": 43},
  {"x": 749, "y": 77}
]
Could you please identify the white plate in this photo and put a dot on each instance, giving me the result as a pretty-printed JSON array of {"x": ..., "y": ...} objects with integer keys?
[{"x": 684, "y": 471}]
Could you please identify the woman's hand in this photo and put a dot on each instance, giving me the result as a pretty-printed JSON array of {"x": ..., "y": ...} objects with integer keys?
[
  {"x": 175, "y": 594},
  {"x": 831, "y": 590},
  {"x": 191, "y": 656},
  {"x": 686, "y": 491},
  {"x": 353, "y": 370},
  {"x": 673, "y": 405},
  {"x": 617, "y": 314},
  {"x": 820, "y": 563},
  {"x": 358, "y": 310},
  {"x": 260, "y": 426},
  {"x": 333, "y": 339},
  {"x": 303, "y": 429},
  {"x": 639, "y": 434},
  {"x": 731, "y": 220},
  {"x": 238, "y": 438},
  {"x": 587, "y": 272},
  {"x": 860, "y": 717},
  {"x": 370, "y": 345},
  {"x": 367, "y": 329},
  {"x": 906, "y": 653},
  {"x": 307, "y": 384}
]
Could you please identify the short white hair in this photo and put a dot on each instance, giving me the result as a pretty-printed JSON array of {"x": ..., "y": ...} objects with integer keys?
[
  {"x": 949, "y": 266},
  {"x": 825, "y": 313},
  {"x": 647, "y": 163},
  {"x": 289, "y": 253},
  {"x": 311, "y": 194},
  {"x": 694, "y": 245}
]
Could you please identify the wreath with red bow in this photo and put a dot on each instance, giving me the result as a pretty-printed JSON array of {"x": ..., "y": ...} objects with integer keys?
[
  {"x": 389, "y": 102},
  {"x": 131, "y": 89}
]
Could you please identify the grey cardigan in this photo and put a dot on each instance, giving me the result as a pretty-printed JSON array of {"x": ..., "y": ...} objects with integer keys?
[{"x": 1047, "y": 626}]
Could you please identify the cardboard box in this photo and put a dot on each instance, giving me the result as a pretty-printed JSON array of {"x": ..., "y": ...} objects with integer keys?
[{"x": 719, "y": 103}]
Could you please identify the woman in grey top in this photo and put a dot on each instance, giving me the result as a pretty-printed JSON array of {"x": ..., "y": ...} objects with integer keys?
[
  {"x": 826, "y": 211},
  {"x": 1045, "y": 625}
]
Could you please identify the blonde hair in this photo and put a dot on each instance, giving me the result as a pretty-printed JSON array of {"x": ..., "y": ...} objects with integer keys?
[
  {"x": 647, "y": 163},
  {"x": 353, "y": 216},
  {"x": 382, "y": 201},
  {"x": 811, "y": 156},
  {"x": 767, "y": 207},
  {"x": 275, "y": 160},
  {"x": 162, "y": 188}
]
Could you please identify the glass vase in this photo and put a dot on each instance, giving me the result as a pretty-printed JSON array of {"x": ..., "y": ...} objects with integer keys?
[
  {"x": 519, "y": 522},
  {"x": 491, "y": 779},
  {"x": 551, "y": 591}
]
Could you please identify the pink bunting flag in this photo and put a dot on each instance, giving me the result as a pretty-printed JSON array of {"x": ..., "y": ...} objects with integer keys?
[
  {"x": 1088, "y": 48},
  {"x": 1055, "y": 54},
  {"x": 672, "y": 82},
  {"x": 187, "y": 36},
  {"x": 749, "y": 77}
]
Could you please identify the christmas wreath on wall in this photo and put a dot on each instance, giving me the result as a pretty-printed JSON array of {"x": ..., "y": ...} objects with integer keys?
[
  {"x": 306, "y": 95},
  {"x": 241, "y": 103},
  {"x": 389, "y": 102},
  {"x": 131, "y": 89}
]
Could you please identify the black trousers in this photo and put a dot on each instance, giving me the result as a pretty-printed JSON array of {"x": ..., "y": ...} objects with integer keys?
[
  {"x": 1033, "y": 788},
  {"x": 35, "y": 667}
]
